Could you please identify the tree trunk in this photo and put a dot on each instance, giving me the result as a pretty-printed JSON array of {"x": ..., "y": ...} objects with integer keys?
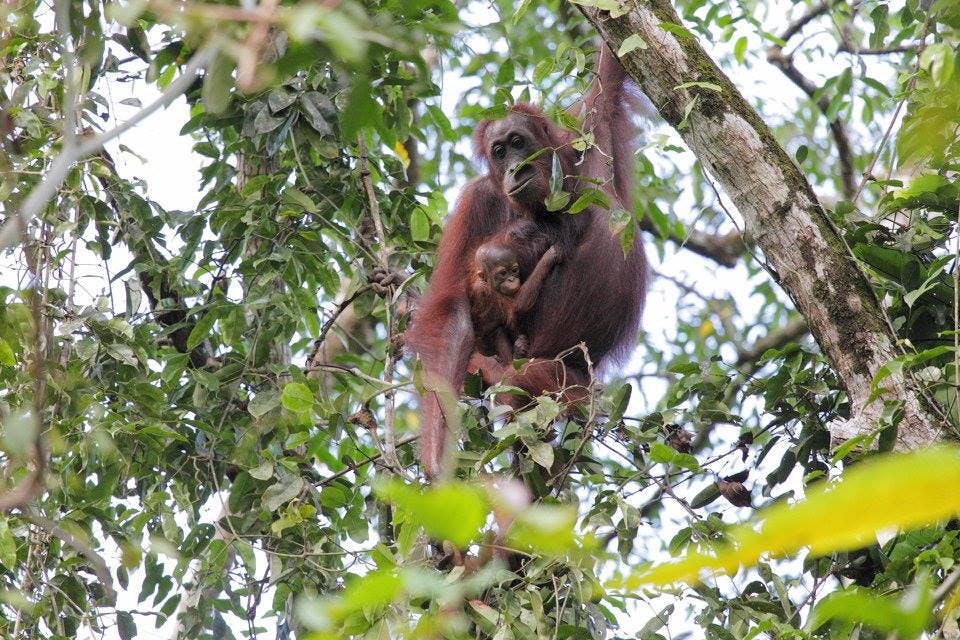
[{"x": 808, "y": 256}]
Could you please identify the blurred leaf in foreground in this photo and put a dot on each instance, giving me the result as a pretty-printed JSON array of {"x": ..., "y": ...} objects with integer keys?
[{"x": 902, "y": 491}]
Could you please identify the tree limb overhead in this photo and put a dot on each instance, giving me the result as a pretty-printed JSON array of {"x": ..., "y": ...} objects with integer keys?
[{"x": 780, "y": 209}]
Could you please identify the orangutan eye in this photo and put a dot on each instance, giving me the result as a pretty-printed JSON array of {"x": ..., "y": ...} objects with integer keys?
[
  {"x": 516, "y": 142},
  {"x": 498, "y": 151}
]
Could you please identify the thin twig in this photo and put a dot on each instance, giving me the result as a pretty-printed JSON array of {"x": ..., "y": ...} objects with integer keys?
[
  {"x": 70, "y": 154},
  {"x": 371, "y": 458},
  {"x": 868, "y": 174},
  {"x": 724, "y": 249},
  {"x": 881, "y": 51},
  {"x": 318, "y": 343},
  {"x": 792, "y": 330},
  {"x": 838, "y": 129},
  {"x": 390, "y": 410},
  {"x": 947, "y": 585},
  {"x": 97, "y": 563}
]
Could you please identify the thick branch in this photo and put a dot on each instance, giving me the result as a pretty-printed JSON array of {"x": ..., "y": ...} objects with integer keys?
[
  {"x": 725, "y": 250},
  {"x": 780, "y": 210}
]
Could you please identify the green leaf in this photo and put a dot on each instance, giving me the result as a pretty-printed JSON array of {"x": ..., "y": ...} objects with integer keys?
[
  {"x": 657, "y": 622},
  {"x": 262, "y": 472},
  {"x": 628, "y": 236},
  {"x": 662, "y": 453},
  {"x": 263, "y": 403},
  {"x": 201, "y": 329},
  {"x": 907, "y": 614},
  {"x": 676, "y": 29},
  {"x": 279, "y": 99},
  {"x": 556, "y": 200},
  {"x": 542, "y": 70},
  {"x": 361, "y": 110},
  {"x": 454, "y": 511},
  {"x": 280, "y": 493},
  {"x": 319, "y": 111},
  {"x": 540, "y": 452},
  {"x": 702, "y": 85},
  {"x": 297, "y": 197},
  {"x": 8, "y": 546},
  {"x": 631, "y": 43},
  {"x": 740, "y": 49},
  {"x": 521, "y": 9},
  {"x": 588, "y": 197},
  {"x": 605, "y": 5},
  {"x": 620, "y": 401},
  {"x": 126, "y": 626},
  {"x": 881, "y": 25},
  {"x": 217, "y": 82},
  {"x": 297, "y": 397},
  {"x": 707, "y": 495},
  {"x": 801, "y": 153},
  {"x": 265, "y": 123},
  {"x": 545, "y": 528},
  {"x": 419, "y": 225},
  {"x": 7, "y": 357},
  {"x": 938, "y": 59}
]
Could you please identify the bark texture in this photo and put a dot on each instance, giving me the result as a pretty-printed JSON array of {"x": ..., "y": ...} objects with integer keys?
[{"x": 780, "y": 210}]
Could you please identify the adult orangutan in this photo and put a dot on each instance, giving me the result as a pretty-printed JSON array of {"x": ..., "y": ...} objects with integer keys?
[{"x": 593, "y": 295}]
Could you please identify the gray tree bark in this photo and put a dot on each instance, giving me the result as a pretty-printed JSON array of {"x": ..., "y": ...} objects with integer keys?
[{"x": 781, "y": 212}]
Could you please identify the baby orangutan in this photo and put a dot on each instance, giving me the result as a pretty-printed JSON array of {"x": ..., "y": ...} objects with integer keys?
[{"x": 498, "y": 298}]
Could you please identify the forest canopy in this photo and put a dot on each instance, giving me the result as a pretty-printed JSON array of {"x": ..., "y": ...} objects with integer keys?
[{"x": 217, "y": 218}]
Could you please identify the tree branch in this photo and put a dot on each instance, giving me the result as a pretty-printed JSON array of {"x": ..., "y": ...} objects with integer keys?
[
  {"x": 795, "y": 329},
  {"x": 882, "y": 51},
  {"x": 389, "y": 422},
  {"x": 797, "y": 25},
  {"x": 838, "y": 129},
  {"x": 156, "y": 287},
  {"x": 725, "y": 249},
  {"x": 316, "y": 357},
  {"x": 97, "y": 563},
  {"x": 74, "y": 152},
  {"x": 807, "y": 254},
  {"x": 30, "y": 486}
]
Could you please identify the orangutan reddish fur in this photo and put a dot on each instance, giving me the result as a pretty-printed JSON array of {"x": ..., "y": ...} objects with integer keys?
[
  {"x": 499, "y": 297},
  {"x": 594, "y": 296}
]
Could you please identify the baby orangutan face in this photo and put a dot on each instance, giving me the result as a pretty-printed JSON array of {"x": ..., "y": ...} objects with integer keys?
[{"x": 498, "y": 267}]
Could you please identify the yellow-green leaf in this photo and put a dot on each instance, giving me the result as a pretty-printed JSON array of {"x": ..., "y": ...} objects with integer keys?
[
  {"x": 8, "y": 547},
  {"x": 7, "y": 357},
  {"x": 419, "y": 225},
  {"x": 297, "y": 397},
  {"x": 453, "y": 511},
  {"x": 630, "y": 43},
  {"x": 904, "y": 491}
]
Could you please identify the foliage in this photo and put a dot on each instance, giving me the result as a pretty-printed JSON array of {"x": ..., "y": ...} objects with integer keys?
[{"x": 228, "y": 427}]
